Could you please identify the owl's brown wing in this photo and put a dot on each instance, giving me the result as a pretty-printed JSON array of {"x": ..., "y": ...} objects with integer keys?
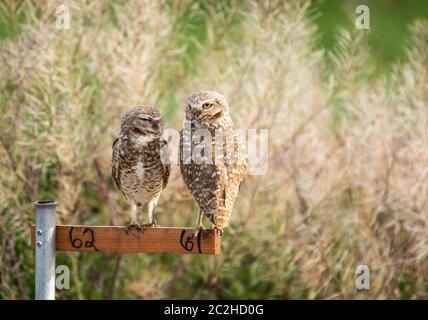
[
  {"x": 115, "y": 163},
  {"x": 203, "y": 180},
  {"x": 166, "y": 165},
  {"x": 234, "y": 171}
]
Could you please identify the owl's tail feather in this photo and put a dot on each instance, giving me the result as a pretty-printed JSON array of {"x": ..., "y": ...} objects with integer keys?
[{"x": 221, "y": 217}]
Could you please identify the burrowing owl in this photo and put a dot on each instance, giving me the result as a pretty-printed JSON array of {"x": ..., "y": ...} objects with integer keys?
[
  {"x": 214, "y": 174},
  {"x": 139, "y": 162}
]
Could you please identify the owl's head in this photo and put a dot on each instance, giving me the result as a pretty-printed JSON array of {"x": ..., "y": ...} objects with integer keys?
[
  {"x": 206, "y": 107},
  {"x": 142, "y": 120}
]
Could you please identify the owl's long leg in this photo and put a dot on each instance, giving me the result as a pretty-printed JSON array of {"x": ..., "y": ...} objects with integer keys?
[
  {"x": 133, "y": 223},
  {"x": 154, "y": 213},
  {"x": 151, "y": 206},
  {"x": 199, "y": 225}
]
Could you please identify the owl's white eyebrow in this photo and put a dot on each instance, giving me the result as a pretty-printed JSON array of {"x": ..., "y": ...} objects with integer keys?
[{"x": 210, "y": 101}]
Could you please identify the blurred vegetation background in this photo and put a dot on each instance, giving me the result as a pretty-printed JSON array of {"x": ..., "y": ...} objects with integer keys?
[{"x": 348, "y": 150}]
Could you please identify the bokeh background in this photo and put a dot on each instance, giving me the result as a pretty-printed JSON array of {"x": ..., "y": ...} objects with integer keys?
[{"x": 347, "y": 114}]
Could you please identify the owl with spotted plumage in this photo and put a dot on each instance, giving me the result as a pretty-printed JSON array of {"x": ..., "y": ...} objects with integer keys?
[
  {"x": 213, "y": 160},
  {"x": 140, "y": 166}
]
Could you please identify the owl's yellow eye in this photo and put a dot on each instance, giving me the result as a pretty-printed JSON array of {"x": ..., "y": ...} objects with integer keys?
[{"x": 207, "y": 105}]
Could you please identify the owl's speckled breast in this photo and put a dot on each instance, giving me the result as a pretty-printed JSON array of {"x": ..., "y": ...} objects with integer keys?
[{"x": 142, "y": 180}]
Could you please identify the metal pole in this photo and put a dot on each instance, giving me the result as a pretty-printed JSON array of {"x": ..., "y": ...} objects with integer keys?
[{"x": 45, "y": 249}]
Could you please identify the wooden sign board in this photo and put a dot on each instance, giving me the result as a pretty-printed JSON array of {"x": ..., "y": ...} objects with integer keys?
[{"x": 116, "y": 239}]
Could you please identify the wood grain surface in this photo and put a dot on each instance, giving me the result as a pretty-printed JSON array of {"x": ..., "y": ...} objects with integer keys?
[{"x": 116, "y": 239}]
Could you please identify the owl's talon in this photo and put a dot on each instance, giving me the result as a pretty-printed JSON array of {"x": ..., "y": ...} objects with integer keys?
[
  {"x": 218, "y": 230},
  {"x": 150, "y": 225},
  {"x": 155, "y": 224},
  {"x": 131, "y": 225},
  {"x": 195, "y": 232}
]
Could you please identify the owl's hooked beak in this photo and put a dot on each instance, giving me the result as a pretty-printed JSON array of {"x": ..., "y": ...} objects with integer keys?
[
  {"x": 157, "y": 120},
  {"x": 211, "y": 114},
  {"x": 157, "y": 125}
]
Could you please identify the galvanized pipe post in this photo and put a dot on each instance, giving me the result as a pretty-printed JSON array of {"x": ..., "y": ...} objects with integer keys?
[{"x": 45, "y": 249}]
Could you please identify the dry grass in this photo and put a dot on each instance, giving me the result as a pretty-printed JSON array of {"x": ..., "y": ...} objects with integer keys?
[{"x": 348, "y": 149}]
